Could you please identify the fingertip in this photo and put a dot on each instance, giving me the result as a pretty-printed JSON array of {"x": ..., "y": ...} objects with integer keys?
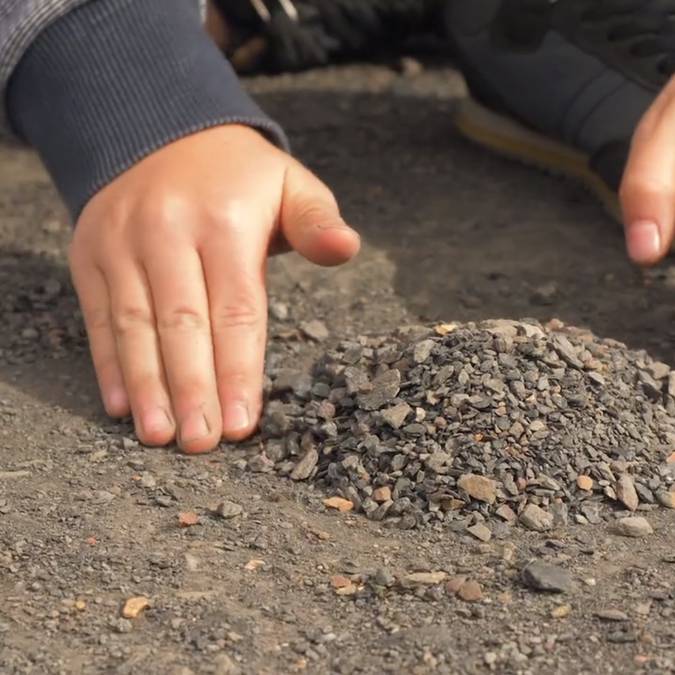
[
  {"x": 116, "y": 402},
  {"x": 332, "y": 246},
  {"x": 198, "y": 433},
  {"x": 200, "y": 446},
  {"x": 644, "y": 242},
  {"x": 239, "y": 420},
  {"x": 156, "y": 427}
]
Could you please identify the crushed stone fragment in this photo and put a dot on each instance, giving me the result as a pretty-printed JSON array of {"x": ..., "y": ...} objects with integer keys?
[
  {"x": 633, "y": 526},
  {"x": 543, "y": 576},
  {"x": 134, "y": 606}
]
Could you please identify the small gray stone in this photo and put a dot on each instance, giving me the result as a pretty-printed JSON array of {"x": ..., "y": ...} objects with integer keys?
[
  {"x": 164, "y": 500},
  {"x": 396, "y": 415},
  {"x": 385, "y": 388},
  {"x": 383, "y": 577},
  {"x": 542, "y": 576},
  {"x": 625, "y": 492},
  {"x": 304, "y": 468},
  {"x": 315, "y": 329},
  {"x": 611, "y": 614},
  {"x": 227, "y": 509},
  {"x": 566, "y": 351},
  {"x": 422, "y": 350},
  {"x": 480, "y": 531},
  {"x": 279, "y": 310},
  {"x": 260, "y": 464},
  {"x": 148, "y": 480}
]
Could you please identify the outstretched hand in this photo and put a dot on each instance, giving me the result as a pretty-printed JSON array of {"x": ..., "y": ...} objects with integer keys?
[{"x": 169, "y": 264}]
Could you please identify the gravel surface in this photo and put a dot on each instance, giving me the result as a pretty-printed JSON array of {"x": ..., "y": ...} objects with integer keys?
[
  {"x": 116, "y": 558},
  {"x": 458, "y": 424}
]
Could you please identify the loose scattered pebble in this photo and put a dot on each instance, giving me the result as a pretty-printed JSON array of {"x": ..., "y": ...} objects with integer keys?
[
  {"x": 634, "y": 526},
  {"x": 480, "y": 531},
  {"x": 425, "y": 578},
  {"x": 254, "y": 564},
  {"x": 534, "y": 517},
  {"x": 625, "y": 492},
  {"x": 315, "y": 329},
  {"x": 666, "y": 499},
  {"x": 542, "y": 576},
  {"x": 585, "y": 483},
  {"x": 611, "y": 614},
  {"x": 470, "y": 591},
  {"x": 134, "y": 606},
  {"x": 561, "y": 611},
  {"x": 187, "y": 519},
  {"x": 342, "y": 505},
  {"x": 454, "y": 584},
  {"x": 339, "y": 581},
  {"x": 227, "y": 509},
  {"x": 478, "y": 487}
]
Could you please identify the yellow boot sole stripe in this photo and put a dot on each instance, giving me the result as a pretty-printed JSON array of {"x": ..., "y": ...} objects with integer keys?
[{"x": 515, "y": 141}]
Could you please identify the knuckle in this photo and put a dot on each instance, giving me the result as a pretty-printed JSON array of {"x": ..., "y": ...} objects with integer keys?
[
  {"x": 98, "y": 321},
  {"x": 640, "y": 188},
  {"x": 242, "y": 314},
  {"x": 179, "y": 319},
  {"x": 228, "y": 217},
  {"x": 130, "y": 318},
  {"x": 234, "y": 378}
]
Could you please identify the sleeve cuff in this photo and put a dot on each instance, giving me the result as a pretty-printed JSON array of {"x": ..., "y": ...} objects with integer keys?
[{"x": 115, "y": 80}]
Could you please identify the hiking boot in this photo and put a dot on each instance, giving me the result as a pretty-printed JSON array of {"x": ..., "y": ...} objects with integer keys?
[
  {"x": 562, "y": 84},
  {"x": 283, "y": 35}
]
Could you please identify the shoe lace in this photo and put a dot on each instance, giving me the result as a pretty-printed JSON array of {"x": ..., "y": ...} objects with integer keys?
[
  {"x": 305, "y": 33},
  {"x": 645, "y": 27}
]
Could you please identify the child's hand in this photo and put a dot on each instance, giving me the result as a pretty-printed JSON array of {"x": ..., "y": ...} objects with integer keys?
[
  {"x": 169, "y": 265},
  {"x": 648, "y": 187}
]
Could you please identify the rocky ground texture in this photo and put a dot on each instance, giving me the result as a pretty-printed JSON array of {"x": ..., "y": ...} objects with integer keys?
[
  {"x": 459, "y": 424},
  {"x": 466, "y": 495}
]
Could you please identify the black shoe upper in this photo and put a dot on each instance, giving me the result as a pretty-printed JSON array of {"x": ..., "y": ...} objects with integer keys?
[{"x": 581, "y": 71}]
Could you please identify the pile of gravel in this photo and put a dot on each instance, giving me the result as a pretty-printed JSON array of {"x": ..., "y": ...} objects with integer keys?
[{"x": 477, "y": 426}]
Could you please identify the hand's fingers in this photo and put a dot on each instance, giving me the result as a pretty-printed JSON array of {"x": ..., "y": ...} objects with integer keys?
[
  {"x": 138, "y": 352},
  {"x": 648, "y": 186},
  {"x": 94, "y": 302},
  {"x": 311, "y": 221},
  {"x": 182, "y": 315},
  {"x": 238, "y": 309}
]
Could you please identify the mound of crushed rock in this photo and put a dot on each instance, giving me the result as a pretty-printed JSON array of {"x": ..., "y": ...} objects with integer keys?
[{"x": 478, "y": 426}]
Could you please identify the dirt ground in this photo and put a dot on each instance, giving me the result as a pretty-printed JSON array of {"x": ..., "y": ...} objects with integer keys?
[{"x": 88, "y": 518}]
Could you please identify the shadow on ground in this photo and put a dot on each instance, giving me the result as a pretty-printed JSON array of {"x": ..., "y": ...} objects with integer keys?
[
  {"x": 468, "y": 235},
  {"x": 472, "y": 236}
]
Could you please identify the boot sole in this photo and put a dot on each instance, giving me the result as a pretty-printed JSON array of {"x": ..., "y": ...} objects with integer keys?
[{"x": 512, "y": 140}]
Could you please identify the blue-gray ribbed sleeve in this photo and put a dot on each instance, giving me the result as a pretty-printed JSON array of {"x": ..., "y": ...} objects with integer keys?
[{"x": 114, "y": 80}]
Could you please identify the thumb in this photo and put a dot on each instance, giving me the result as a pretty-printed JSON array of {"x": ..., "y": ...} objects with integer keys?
[{"x": 311, "y": 221}]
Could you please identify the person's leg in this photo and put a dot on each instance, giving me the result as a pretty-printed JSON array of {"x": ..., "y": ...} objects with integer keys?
[{"x": 283, "y": 35}]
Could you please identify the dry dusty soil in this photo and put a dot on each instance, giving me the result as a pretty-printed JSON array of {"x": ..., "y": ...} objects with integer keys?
[{"x": 89, "y": 519}]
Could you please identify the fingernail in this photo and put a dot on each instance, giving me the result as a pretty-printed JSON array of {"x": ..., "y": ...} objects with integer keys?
[
  {"x": 236, "y": 417},
  {"x": 644, "y": 241},
  {"x": 156, "y": 420},
  {"x": 194, "y": 427},
  {"x": 116, "y": 399}
]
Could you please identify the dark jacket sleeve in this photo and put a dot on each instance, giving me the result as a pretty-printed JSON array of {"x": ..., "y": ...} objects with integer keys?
[{"x": 114, "y": 80}]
